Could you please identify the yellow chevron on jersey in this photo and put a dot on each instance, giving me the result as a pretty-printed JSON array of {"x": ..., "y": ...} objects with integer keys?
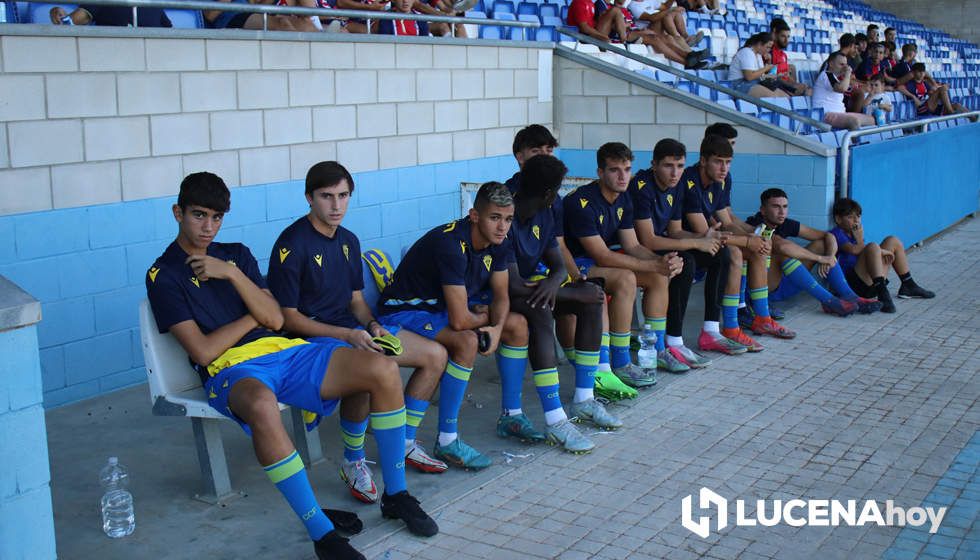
[
  {"x": 601, "y": 216},
  {"x": 670, "y": 200},
  {"x": 690, "y": 184},
  {"x": 536, "y": 231},
  {"x": 152, "y": 273},
  {"x": 380, "y": 266},
  {"x": 711, "y": 197},
  {"x": 346, "y": 251},
  {"x": 619, "y": 214},
  {"x": 283, "y": 253},
  {"x": 462, "y": 246},
  {"x": 584, "y": 202},
  {"x": 195, "y": 281},
  {"x": 449, "y": 227},
  {"x": 640, "y": 185},
  {"x": 487, "y": 261},
  {"x": 318, "y": 259}
]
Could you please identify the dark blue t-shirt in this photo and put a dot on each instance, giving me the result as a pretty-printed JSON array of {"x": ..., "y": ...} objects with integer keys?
[
  {"x": 901, "y": 68},
  {"x": 442, "y": 257},
  {"x": 588, "y": 213},
  {"x": 650, "y": 202},
  {"x": 789, "y": 227},
  {"x": 316, "y": 274},
  {"x": 845, "y": 260},
  {"x": 701, "y": 199},
  {"x": 531, "y": 239},
  {"x": 869, "y": 69}
]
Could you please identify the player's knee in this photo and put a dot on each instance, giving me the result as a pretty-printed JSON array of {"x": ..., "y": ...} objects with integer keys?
[
  {"x": 872, "y": 248},
  {"x": 734, "y": 255},
  {"x": 256, "y": 404},
  {"x": 515, "y": 327},
  {"x": 463, "y": 345},
  {"x": 893, "y": 241},
  {"x": 538, "y": 318},
  {"x": 435, "y": 356}
]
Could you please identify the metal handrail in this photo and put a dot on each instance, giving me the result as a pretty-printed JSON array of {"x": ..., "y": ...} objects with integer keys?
[
  {"x": 266, "y": 10},
  {"x": 760, "y": 102},
  {"x": 845, "y": 142}
]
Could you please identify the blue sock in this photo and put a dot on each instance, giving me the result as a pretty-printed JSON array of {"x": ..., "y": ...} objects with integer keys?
[
  {"x": 659, "y": 326},
  {"x": 289, "y": 476},
  {"x": 353, "y": 434},
  {"x": 511, "y": 363},
  {"x": 729, "y": 311},
  {"x": 546, "y": 382},
  {"x": 839, "y": 284},
  {"x": 604, "y": 349},
  {"x": 389, "y": 434},
  {"x": 414, "y": 412},
  {"x": 452, "y": 389},
  {"x": 795, "y": 272},
  {"x": 619, "y": 349},
  {"x": 586, "y": 363},
  {"x": 760, "y": 301},
  {"x": 784, "y": 291},
  {"x": 744, "y": 284}
]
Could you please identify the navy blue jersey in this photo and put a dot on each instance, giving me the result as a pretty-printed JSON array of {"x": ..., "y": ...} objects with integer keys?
[
  {"x": 529, "y": 240},
  {"x": 650, "y": 202},
  {"x": 557, "y": 208},
  {"x": 316, "y": 274},
  {"x": 789, "y": 227},
  {"x": 588, "y": 213},
  {"x": 442, "y": 257},
  {"x": 177, "y": 295},
  {"x": 701, "y": 199},
  {"x": 901, "y": 68}
]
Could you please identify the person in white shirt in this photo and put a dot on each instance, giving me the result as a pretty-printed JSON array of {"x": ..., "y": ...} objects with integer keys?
[
  {"x": 747, "y": 68},
  {"x": 648, "y": 17},
  {"x": 828, "y": 94}
]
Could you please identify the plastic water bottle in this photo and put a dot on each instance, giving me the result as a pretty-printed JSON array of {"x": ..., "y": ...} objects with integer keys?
[
  {"x": 647, "y": 355},
  {"x": 879, "y": 114},
  {"x": 118, "y": 518}
]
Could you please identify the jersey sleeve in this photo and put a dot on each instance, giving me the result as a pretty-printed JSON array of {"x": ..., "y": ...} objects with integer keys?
[
  {"x": 842, "y": 238},
  {"x": 580, "y": 221},
  {"x": 692, "y": 200},
  {"x": 285, "y": 272},
  {"x": 356, "y": 266},
  {"x": 558, "y": 211},
  {"x": 450, "y": 261},
  {"x": 640, "y": 200},
  {"x": 726, "y": 193},
  {"x": 503, "y": 255},
  {"x": 168, "y": 302}
]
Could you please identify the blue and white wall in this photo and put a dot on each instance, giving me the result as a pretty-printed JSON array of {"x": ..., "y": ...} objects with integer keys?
[{"x": 96, "y": 134}]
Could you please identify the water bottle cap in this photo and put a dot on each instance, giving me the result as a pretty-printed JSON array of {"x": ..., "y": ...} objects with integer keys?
[{"x": 113, "y": 460}]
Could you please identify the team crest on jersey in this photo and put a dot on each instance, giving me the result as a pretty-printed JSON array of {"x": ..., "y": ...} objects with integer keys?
[
  {"x": 584, "y": 202},
  {"x": 670, "y": 200},
  {"x": 690, "y": 184},
  {"x": 428, "y": 326},
  {"x": 601, "y": 216},
  {"x": 152, "y": 273},
  {"x": 318, "y": 259},
  {"x": 462, "y": 246},
  {"x": 212, "y": 395},
  {"x": 536, "y": 231},
  {"x": 619, "y": 214},
  {"x": 640, "y": 185},
  {"x": 283, "y": 253},
  {"x": 711, "y": 197},
  {"x": 449, "y": 227},
  {"x": 346, "y": 250},
  {"x": 195, "y": 281},
  {"x": 487, "y": 261}
]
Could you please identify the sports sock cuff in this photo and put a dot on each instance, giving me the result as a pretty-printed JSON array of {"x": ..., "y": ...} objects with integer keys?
[
  {"x": 545, "y": 377},
  {"x": 388, "y": 420},
  {"x": 619, "y": 339},
  {"x": 656, "y": 323},
  {"x": 458, "y": 371},
  {"x": 729, "y": 300},
  {"x": 284, "y": 468},
  {"x": 789, "y": 265},
  {"x": 415, "y": 410},
  {"x": 586, "y": 358},
  {"x": 516, "y": 352},
  {"x": 759, "y": 293},
  {"x": 605, "y": 339},
  {"x": 353, "y": 433}
]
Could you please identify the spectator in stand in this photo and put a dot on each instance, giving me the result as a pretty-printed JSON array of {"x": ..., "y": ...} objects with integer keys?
[
  {"x": 114, "y": 16},
  {"x": 703, "y": 6},
  {"x": 873, "y": 65},
  {"x": 890, "y": 59},
  {"x": 673, "y": 24},
  {"x": 861, "y": 49},
  {"x": 929, "y": 101},
  {"x": 217, "y": 19},
  {"x": 828, "y": 94},
  {"x": 876, "y": 99},
  {"x": 361, "y": 25},
  {"x": 747, "y": 69},
  {"x": 872, "y": 33},
  {"x": 441, "y": 8},
  {"x": 890, "y": 35},
  {"x": 785, "y": 72},
  {"x": 412, "y": 28},
  {"x": 902, "y": 72},
  {"x": 648, "y": 15}
]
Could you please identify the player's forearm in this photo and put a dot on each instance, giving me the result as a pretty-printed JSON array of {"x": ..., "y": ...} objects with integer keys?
[
  {"x": 566, "y": 257},
  {"x": 300, "y": 325},
  {"x": 360, "y": 310},
  {"x": 612, "y": 259},
  {"x": 556, "y": 264},
  {"x": 260, "y": 303},
  {"x": 467, "y": 320},
  {"x": 219, "y": 340},
  {"x": 499, "y": 310}
]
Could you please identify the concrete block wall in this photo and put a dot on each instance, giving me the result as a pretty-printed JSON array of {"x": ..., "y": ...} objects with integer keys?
[{"x": 96, "y": 134}]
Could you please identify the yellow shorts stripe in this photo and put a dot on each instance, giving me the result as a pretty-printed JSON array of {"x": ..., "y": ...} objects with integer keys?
[
  {"x": 284, "y": 469},
  {"x": 388, "y": 420},
  {"x": 254, "y": 349}
]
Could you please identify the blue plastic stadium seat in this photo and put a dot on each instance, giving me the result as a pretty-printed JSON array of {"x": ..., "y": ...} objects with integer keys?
[
  {"x": 746, "y": 107},
  {"x": 546, "y": 33},
  {"x": 552, "y": 21},
  {"x": 548, "y": 10},
  {"x": 185, "y": 19},
  {"x": 728, "y": 103},
  {"x": 529, "y": 8},
  {"x": 829, "y": 138},
  {"x": 8, "y": 12},
  {"x": 502, "y": 6},
  {"x": 492, "y": 32},
  {"x": 39, "y": 13},
  {"x": 476, "y": 15}
]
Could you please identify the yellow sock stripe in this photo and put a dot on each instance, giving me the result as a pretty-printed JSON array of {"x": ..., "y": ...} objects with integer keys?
[
  {"x": 517, "y": 352},
  {"x": 545, "y": 377},
  {"x": 458, "y": 371},
  {"x": 657, "y": 323},
  {"x": 353, "y": 441},
  {"x": 745, "y": 268},
  {"x": 388, "y": 420},
  {"x": 605, "y": 339},
  {"x": 277, "y": 472},
  {"x": 789, "y": 265},
  {"x": 586, "y": 358},
  {"x": 759, "y": 293},
  {"x": 729, "y": 300},
  {"x": 619, "y": 339},
  {"x": 413, "y": 418}
]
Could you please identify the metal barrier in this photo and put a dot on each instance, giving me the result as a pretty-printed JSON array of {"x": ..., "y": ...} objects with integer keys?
[
  {"x": 845, "y": 142},
  {"x": 760, "y": 102},
  {"x": 266, "y": 10}
]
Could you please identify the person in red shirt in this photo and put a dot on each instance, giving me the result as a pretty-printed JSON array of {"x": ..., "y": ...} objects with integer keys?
[
  {"x": 785, "y": 71},
  {"x": 581, "y": 14}
]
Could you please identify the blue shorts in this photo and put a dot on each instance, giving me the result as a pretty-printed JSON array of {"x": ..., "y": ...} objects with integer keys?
[
  {"x": 295, "y": 375},
  {"x": 584, "y": 264},
  {"x": 423, "y": 323}
]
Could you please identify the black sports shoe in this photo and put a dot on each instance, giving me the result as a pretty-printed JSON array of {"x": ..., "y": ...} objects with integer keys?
[
  {"x": 334, "y": 547},
  {"x": 910, "y": 290},
  {"x": 345, "y": 521},
  {"x": 404, "y": 506}
]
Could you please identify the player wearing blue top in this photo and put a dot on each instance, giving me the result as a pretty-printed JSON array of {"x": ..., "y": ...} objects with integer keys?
[
  {"x": 315, "y": 273},
  {"x": 540, "y": 290},
  {"x": 657, "y": 214},
  {"x": 600, "y": 235},
  {"x": 213, "y": 299},
  {"x": 866, "y": 264},
  {"x": 430, "y": 295},
  {"x": 792, "y": 262},
  {"x": 707, "y": 202}
]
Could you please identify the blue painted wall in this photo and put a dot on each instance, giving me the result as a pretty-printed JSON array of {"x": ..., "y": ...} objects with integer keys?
[
  {"x": 87, "y": 265},
  {"x": 917, "y": 186}
]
